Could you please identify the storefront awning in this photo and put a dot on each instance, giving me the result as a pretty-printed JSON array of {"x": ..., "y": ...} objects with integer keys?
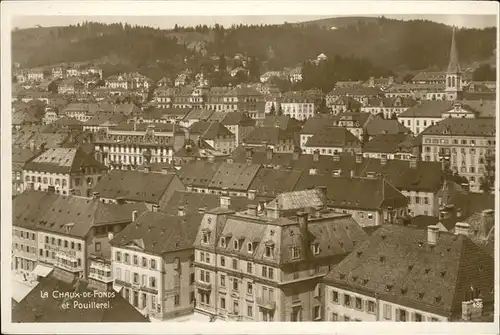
[{"x": 42, "y": 270}]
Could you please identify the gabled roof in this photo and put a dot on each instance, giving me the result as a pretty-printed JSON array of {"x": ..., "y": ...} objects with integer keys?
[
  {"x": 210, "y": 130},
  {"x": 36, "y": 308},
  {"x": 317, "y": 123},
  {"x": 388, "y": 143},
  {"x": 160, "y": 233},
  {"x": 428, "y": 108},
  {"x": 398, "y": 265},
  {"x": 333, "y": 137},
  {"x": 64, "y": 160},
  {"x": 234, "y": 176},
  {"x": 356, "y": 91},
  {"x": 429, "y": 76},
  {"x": 270, "y": 135},
  {"x": 198, "y": 173},
  {"x": 238, "y": 118},
  {"x": 269, "y": 182},
  {"x": 463, "y": 126},
  {"x": 378, "y": 126},
  {"x": 355, "y": 193},
  {"x": 298, "y": 200},
  {"x": 283, "y": 122},
  {"x": 134, "y": 185},
  {"x": 198, "y": 114}
]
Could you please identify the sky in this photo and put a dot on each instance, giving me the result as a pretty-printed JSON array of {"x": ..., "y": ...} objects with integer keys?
[{"x": 167, "y": 22}]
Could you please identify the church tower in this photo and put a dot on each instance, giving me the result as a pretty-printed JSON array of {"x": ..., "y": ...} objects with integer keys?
[{"x": 453, "y": 88}]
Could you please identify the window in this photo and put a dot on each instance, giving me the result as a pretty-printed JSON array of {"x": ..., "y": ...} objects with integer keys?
[
  {"x": 434, "y": 320},
  {"x": 236, "y": 245},
  {"x": 250, "y": 311},
  {"x": 250, "y": 247},
  {"x": 295, "y": 252},
  {"x": 315, "y": 249},
  {"x": 127, "y": 258},
  {"x": 207, "y": 257},
  {"x": 118, "y": 256},
  {"x": 347, "y": 300},
  {"x": 223, "y": 242},
  {"x": 335, "y": 296},
  {"x": 235, "y": 264},
  {"x": 202, "y": 257},
  {"x": 371, "y": 307},
  {"x": 235, "y": 284},
  {"x": 223, "y": 303},
  {"x": 79, "y": 245},
  {"x": 152, "y": 282},
  {"x": 317, "y": 312},
  {"x": 177, "y": 300},
  {"x": 41, "y": 251},
  {"x": 118, "y": 273},
  {"x": 401, "y": 315},
  {"x": 249, "y": 267},
  {"x": 46, "y": 239},
  {"x": 270, "y": 273},
  {"x": 97, "y": 246},
  {"x": 222, "y": 261},
  {"x": 264, "y": 271},
  {"x": 268, "y": 251},
  {"x": 205, "y": 238},
  {"x": 144, "y": 262},
  {"x": 335, "y": 317},
  {"x": 387, "y": 312},
  {"x": 153, "y": 264},
  {"x": 144, "y": 280},
  {"x": 136, "y": 278},
  {"x": 359, "y": 303},
  {"x": 249, "y": 288},
  {"x": 59, "y": 242},
  {"x": 347, "y": 318},
  {"x": 370, "y": 215},
  {"x": 426, "y": 200},
  {"x": 136, "y": 259},
  {"x": 222, "y": 280},
  {"x": 417, "y": 317}
]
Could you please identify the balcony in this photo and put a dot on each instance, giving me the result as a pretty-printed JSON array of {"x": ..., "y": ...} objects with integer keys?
[
  {"x": 102, "y": 278},
  {"x": 266, "y": 303},
  {"x": 203, "y": 286}
]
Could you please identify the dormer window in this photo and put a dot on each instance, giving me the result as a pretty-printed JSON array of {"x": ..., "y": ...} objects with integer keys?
[
  {"x": 236, "y": 245},
  {"x": 315, "y": 248},
  {"x": 269, "y": 251},
  {"x": 223, "y": 242},
  {"x": 295, "y": 252},
  {"x": 250, "y": 247},
  {"x": 205, "y": 237}
]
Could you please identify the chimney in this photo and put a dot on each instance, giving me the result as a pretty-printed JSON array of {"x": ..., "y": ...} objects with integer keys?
[
  {"x": 95, "y": 195},
  {"x": 156, "y": 208},
  {"x": 359, "y": 158},
  {"x": 181, "y": 211},
  {"x": 251, "y": 194},
  {"x": 146, "y": 169},
  {"x": 413, "y": 162},
  {"x": 467, "y": 310},
  {"x": 462, "y": 228},
  {"x": 296, "y": 154},
  {"x": 303, "y": 218},
  {"x": 316, "y": 156},
  {"x": 189, "y": 188},
  {"x": 252, "y": 210},
  {"x": 336, "y": 156},
  {"x": 383, "y": 160},
  {"x": 202, "y": 210},
  {"x": 225, "y": 201},
  {"x": 323, "y": 192},
  {"x": 135, "y": 214},
  {"x": 110, "y": 236},
  {"x": 269, "y": 153},
  {"x": 432, "y": 235}
]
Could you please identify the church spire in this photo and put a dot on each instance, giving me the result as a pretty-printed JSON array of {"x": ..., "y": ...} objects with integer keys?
[{"x": 453, "y": 66}]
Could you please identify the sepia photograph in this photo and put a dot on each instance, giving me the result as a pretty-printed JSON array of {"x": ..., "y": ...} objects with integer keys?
[{"x": 261, "y": 168}]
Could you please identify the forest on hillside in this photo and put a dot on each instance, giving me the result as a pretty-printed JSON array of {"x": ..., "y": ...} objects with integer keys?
[{"x": 374, "y": 46}]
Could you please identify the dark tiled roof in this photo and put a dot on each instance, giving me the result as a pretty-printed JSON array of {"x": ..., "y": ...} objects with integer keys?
[
  {"x": 271, "y": 182},
  {"x": 485, "y": 108},
  {"x": 160, "y": 127},
  {"x": 20, "y": 156},
  {"x": 198, "y": 173},
  {"x": 134, "y": 185},
  {"x": 270, "y": 135},
  {"x": 381, "y": 126},
  {"x": 201, "y": 114},
  {"x": 63, "y": 160},
  {"x": 35, "y": 308},
  {"x": 238, "y": 118},
  {"x": 398, "y": 264},
  {"x": 362, "y": 193},
  {"x": 210, "y": 130},
  {"x": 315, "y": 124},
  {"x": 463, "y": 126},
  {"x": 298, "y": 200},
  {"x": 159, "y": 233},
  {"x": 357, "y": 117},
  {"x": 164, "y": 112},
  {"x": 333, "y": 137},
  {"x": 482, "y": 230},
  {"x": 429, "y": 76},
  {"x": 428, "y": 108},
  {"x": 386, "y": 143},
  {"x": 234, "y": 176},
  {"x": 283, "y": 122},
  {"x": 357, "y": 90},
  {"x": 345, "y": 101},
  {"x": 103, "y": 119}
]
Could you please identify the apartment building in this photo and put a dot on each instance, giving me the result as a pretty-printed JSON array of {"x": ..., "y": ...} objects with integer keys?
[
  {"x": 468, "y": 145},
  {"x": 266, "y": 265},
  {"x": 152, "y": 264},
  {"x": 332, "y": 140},
  {"x": 301, "y": 105},
  {"x": 64, "y": 171},
  {"x": 432, "y": 284}
]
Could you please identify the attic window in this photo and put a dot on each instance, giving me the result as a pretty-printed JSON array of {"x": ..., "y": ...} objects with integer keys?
[
  {"x": 269, "y": 251},
  {"x": 410, "y": 267},
  {"x": 427, "y": 270},
  {"x": 359, "y": 253},
  {"x": 236, "y": 245},
  {"x": 420, "y": 295},
  {"x": 365, "y": 281},
  {"x": 383, "y": 237},
  {"x": 342, "y": 276},
  {"x": 382, "y": 259},
  {"x": 205, "y": 237},
  {"x": 438, "y": 299},
  {"x": 404, "y": 290},
  {"x": 354, "y": 278},
  {"x": 249, "y": 247},
  {"x": 388, "y": 287},
  {"x": 420, "y": 243},
  {"x": 223, "y": 242},
  {"x": 443, "y": 273},
  {"x": 315, "y": 248},
  {"x": 295, "y": 252}
]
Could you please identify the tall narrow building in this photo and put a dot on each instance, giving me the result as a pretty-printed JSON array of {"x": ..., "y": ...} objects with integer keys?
[{"x": 453, "y": 74}]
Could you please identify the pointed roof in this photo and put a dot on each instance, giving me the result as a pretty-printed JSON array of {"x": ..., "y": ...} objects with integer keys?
[{"x": 453, "y": 66}]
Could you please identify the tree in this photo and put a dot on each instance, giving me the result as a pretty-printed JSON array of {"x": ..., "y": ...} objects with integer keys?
[
  {"x": 222, "y": 63},
  {"x": 272, "y": 111},
  {"x": 365, "y": 138},
  {"x": 253, "y": 69},
  {"x": 279, "y": 112},
  {"x": 484, "y": 73}
]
